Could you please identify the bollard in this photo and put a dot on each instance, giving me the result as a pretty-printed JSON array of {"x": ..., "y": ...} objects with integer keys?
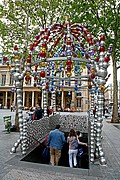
[{"x": 7, "y": 121}]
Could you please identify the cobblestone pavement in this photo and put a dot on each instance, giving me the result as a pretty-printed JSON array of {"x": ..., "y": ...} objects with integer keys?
[{"x": 12, "y": 168}]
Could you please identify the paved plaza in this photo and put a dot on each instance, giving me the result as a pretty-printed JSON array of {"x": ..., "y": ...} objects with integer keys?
[{"x": 11, "y": 168}]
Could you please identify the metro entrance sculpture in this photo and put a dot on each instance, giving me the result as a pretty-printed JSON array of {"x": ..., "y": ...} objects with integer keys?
[{"x": 64, "y": 49}]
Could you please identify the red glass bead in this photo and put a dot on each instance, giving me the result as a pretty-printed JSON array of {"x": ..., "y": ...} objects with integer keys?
[
  {"x": 89, "y": 86},
  {"x": 42, "y": 54},
  {"x": 44, "y": 45},
  {"x": 29, "y": 60},
  {"x": 37, "y": 36},
  {"x": 89, "y": 39},
  {"x": 69, "y": 62},
  {"x": 102, "y": 49},
  {"x": 102, "y": 38},
  {"x": 42, "y": 74},
  {"x": 92, "y": 76},
  {"x": 69, "y": 68},
  {"x": 106, "y": 59},
  {"x": 69, "y": 43},
  {"x": 27, "y": 78},
  {"x": 46, "y": 29},
  {"x": 47, "y": 87},
  {"x": 89, "y": 79},
  {"x": 87, "y": 56},
  {"x": 5, "y": 59},
  {"x": 90, "y": 43},
  {"x": 29, "y": 56},
  {"x": 46, "y": 37},
  {"x": 36, "y": 68},
  {"x": 35, "y": 78},
  {"x": 15, "y": 48},
  {"x": 97, "y": 59}
]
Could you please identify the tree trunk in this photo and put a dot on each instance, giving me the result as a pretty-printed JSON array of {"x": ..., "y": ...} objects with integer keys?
[
  {"x": 17, "y": 119},
  {"x": 115, "y": 118}
]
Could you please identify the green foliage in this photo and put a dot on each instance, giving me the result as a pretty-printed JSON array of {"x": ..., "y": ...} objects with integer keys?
[
  {"x": 99, "y": 16},
  {"x": 21, "y": 20}
]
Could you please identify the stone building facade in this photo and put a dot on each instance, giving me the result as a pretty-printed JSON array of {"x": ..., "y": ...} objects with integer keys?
[{"x": 66, "y": 97}]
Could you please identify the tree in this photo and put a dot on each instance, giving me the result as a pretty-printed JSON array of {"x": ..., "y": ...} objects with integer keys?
[
  {"x": 21, "y": 20},
  {"x": 101, "y": 16}
]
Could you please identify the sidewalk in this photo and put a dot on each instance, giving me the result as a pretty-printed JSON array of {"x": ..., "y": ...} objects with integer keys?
[{"x": 11, "y": 167}]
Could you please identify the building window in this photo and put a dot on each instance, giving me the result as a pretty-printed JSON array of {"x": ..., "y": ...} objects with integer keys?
[
  {"x": 11, "y": 80},
  {"x": 79, "y": 102},
  {"x": 3, "y": 79},
  {"x": 79, "y": 94}
]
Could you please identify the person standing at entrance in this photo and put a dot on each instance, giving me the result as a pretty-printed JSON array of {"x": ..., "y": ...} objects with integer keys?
[
  {"x": 56, "y": 140},
  {"x": 71, "y": 140}
]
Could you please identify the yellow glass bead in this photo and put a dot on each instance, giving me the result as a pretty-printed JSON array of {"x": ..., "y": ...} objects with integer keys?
[
  {"x": 43, "y": 64},
  {"x": 103, "y": 88},
  {"x": 44, "y": 49},
  {"x": 69, "y": 74},
  {"x": 28, "y": 73},
  {"x": 50, "y": 55},
  {"x": 9, "y": 66},
  {"x": 16, "y": 57},
  {"x": 93, "y": 71}
]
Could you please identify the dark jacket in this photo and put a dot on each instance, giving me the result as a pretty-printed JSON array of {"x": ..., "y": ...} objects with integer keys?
[{"x": 38, "y": 113}]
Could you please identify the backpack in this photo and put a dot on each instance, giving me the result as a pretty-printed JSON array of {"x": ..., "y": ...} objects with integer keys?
[
  {"x": 76, "y": 144},
  {"x": 80, "y": 152}
]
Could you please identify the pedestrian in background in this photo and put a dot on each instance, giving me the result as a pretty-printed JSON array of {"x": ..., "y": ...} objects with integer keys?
[
  {"x": 56, "y": 140},
  {"x": 30, "y": 114},
  {"x": 38, "y": 114}
]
